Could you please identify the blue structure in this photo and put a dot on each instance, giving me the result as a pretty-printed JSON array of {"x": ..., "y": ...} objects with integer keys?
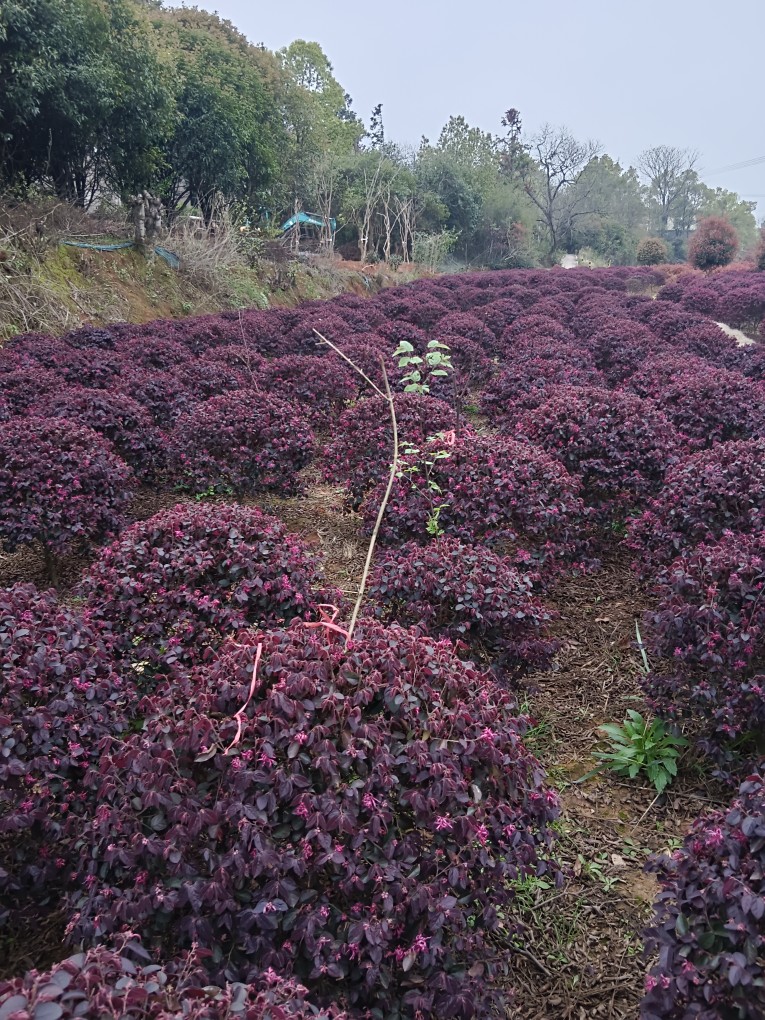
[{"x": 309, "y": 220}]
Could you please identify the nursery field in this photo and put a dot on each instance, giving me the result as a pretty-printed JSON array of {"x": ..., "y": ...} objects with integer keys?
[{"x": 311, "y": 621}]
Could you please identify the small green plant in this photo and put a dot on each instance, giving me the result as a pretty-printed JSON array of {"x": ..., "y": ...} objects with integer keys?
[
  {"x": 642, "y": 746},
  {"x": 432, "y": 526},
  {"x": 437, "y": 362}
]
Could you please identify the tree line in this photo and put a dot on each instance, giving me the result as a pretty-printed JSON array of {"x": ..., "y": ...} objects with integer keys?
[{"x": 102, "y": 98}]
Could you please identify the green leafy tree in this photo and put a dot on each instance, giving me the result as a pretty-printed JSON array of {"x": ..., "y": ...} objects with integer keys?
[
  {"x": 652, "y": 251},
  {"x": 90, "y": 99},
  {"x": 228, "y": 135}
]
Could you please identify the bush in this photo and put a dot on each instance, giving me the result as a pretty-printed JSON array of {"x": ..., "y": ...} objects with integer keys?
[
  {"x": 162, "y": 394},
  {"x": 489, "y": 489},
  {"x": 163, "y": 354},
  {"x": 171, "y": 588},
  {"x": 204, "y": 378},
  {"x": 652, "y": 251},
  {"x": 60, "y": 484},
  {"x": 621, "y": 346},
  {"x": 710, "y": 918},
  {"x": 714, "y": 491},
  {"x": 709, "y": 626},
  {"x": 59, "y": 696},
  {"x": 526, "y": 384},
  {"x": 23, "y": 388},
  {"x": 320, "y": 388},
  {"x": 619, "y": 445},
  {"x": 467, "y": 594},
  {"x": 707, "y": 404},
  {"x": 241, "y": 442},
  {"x": 365, "y": 829},
  {"x": 714, "y": 243},
  {"x": 122, "y": 421},
  {"x": 104, "y": 984},
  {"x": 709, "y": 616},
  {"x": 361, "y": 450}
]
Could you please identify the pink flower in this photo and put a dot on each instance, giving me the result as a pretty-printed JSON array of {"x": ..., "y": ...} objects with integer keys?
[{"x": 443, "y": 822}]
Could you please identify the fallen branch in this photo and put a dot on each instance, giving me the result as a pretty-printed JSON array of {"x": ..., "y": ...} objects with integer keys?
[{"x": 388, "y": 396}]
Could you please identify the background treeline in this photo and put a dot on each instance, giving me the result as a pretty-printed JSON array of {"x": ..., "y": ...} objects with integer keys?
[{"x": 101, "y": 98}]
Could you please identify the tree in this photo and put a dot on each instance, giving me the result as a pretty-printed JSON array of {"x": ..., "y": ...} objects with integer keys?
[
  {"x": 652, "y": 251},
  {"x": 738, "y": 212},
  {"x": 90, "y": 96},
  {"x": 609, "y": 219},
  {"x": 666, "y": 170},
  {"x": 714, "y": 244},
  {"x": 376, "y": 133},
  {"x": 558, "y": 164}
]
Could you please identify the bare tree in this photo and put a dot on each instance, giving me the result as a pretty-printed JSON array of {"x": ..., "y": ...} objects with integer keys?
[
  {"x": 666, "y": 169},
  {"x": 557, "y": 163},
  {"x": 324, "y": 184}
]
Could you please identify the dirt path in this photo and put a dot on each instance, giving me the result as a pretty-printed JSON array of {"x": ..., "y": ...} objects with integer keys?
[{"x": 741, "y": 338}]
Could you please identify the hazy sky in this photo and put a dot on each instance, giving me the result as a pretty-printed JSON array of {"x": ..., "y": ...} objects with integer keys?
[{"x": 630, "y": 74}]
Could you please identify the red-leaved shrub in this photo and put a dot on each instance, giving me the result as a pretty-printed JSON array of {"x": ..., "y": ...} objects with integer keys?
[
  {"x": 118, "y": 418},
  {"x": 60, "y": 694},
  {"x": 710, "y": 918},
  {"x": 61, "y": 484},
  {"x": 361, "y": 832},
  {"x": 170, "y": 589},
  {"x": 491, "y": 490},
  {"x": 717, "y": 490},
  {"x": 709, "y": 627},
  {"x": 361, "y": 449},
  {"x": 319, "y": 387},
  {"x": 240, "y": 442},
  {"x": 714, "y": 243},
  {"x": 128, "y": 984},
  {"x": 466, "y": 593},
  {"x": 619, "y": 445}
]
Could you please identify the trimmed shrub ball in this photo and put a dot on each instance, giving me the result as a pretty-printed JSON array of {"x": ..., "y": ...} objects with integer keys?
[
  {"x": 60, "y": 695},
  {"x": 161, "y": 393},
  {"x": 361, "y": 450},
  {"x": 619, "y": 445},
  {"x": 467, "y": 594},
  {"x": 354, "y": 819},
  {"x": 709, "y": 627},
  {"x": 490, "y": 490},
  {"x": 61, "y": 484},
  {"x": 122, "y": 421},
  {"x": 526, "y": 384},
  {"x": 126, "y": 983},
  {"x": 172, "y": 588},
  {"x": 714, "y": 491},
  {"x": 241, "y": 443},
  {"x": 705, "y": 402},
  {"x": 709, "y": 924},
  {"x": 319, "y": 387}
]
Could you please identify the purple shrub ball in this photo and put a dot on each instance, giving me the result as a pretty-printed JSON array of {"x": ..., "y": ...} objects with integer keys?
[
  {"x": 709, "y": 921},
  {"x": 61, "y": 484},
  {"x": 170, "y": 589},
  {"x": 242, "y": 442},
  {"x": 341, "y": 839}
]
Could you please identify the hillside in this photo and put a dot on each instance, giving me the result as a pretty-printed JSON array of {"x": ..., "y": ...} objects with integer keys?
[{"x": 50, "y": 286}]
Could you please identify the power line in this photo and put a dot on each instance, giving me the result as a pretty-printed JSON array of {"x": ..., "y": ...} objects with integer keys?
[{"x": 738, "y": 166}]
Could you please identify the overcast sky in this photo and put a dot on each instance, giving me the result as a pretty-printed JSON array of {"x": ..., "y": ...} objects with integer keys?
[{"x": 629, "y": 74}]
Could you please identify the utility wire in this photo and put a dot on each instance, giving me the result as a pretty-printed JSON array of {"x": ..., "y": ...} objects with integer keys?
[{"x": 737, "y": 166}]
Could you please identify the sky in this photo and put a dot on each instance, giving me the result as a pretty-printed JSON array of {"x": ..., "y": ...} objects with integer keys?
[{"x": 631, "y": 75}]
